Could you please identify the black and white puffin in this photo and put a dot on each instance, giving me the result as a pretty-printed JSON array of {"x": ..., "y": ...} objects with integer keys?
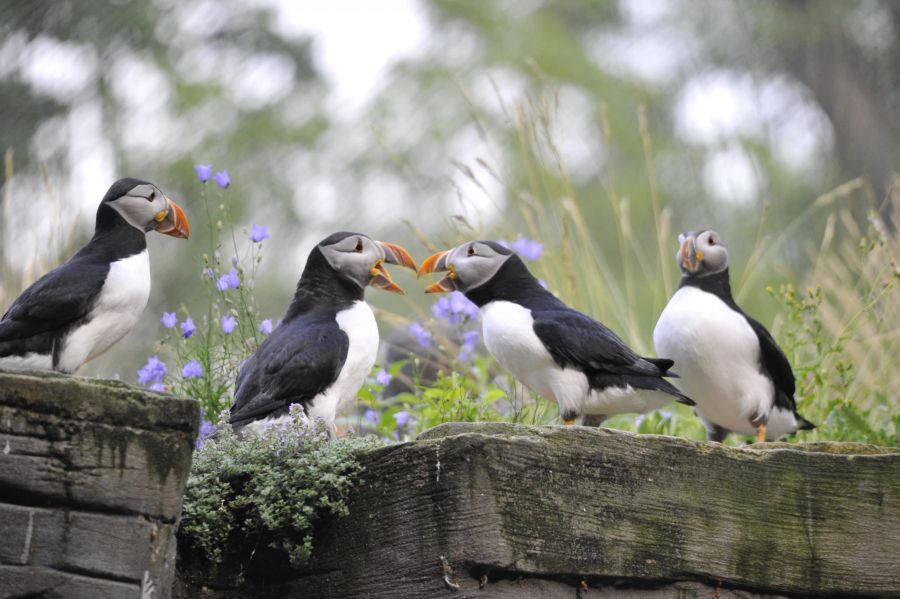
[
  {"x": 727, "y": 361},
  {"x": 77, "y": 311},
  {"x": 552, "y": 349},
  {"x": 326, "y": 344}
]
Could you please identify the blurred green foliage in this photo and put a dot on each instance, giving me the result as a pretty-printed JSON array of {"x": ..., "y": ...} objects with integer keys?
[{"x": 563, "y": 121}]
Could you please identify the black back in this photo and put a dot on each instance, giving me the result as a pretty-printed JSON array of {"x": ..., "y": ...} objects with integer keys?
[
  {"x": 304, "y": 354},
  {"x": 573, "y": 339}
]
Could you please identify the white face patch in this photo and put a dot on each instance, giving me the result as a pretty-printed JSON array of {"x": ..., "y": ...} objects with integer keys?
[
  {"x": 354, "y": 256},
  {"x": 475, "y": 263},
  {"x": 140, "y": 206}
]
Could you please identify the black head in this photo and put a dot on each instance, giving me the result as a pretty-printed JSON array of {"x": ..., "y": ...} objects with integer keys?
[
  {"x": 471, "y": 265},
  {"x": 359, "y": 259},
  {"x": 142, "y": 205}
]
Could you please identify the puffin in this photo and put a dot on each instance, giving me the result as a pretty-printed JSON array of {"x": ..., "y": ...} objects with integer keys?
[
  {"x": 80, "y": 309},
  {"x": 555, "y": 351},
  {"x": 326, "y": 344},
  {"x": 728, "y": 362}
]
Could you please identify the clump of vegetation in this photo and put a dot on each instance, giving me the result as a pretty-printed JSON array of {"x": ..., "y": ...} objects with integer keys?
[{"x": 267, "y": 490}]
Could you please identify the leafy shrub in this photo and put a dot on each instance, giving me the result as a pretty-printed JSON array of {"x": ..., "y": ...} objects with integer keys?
[{"x": 270, "y": 488}]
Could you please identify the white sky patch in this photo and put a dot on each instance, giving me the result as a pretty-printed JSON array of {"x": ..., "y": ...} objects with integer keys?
[
  {"x": 261, "y": 79},
  {"x": 355, "y": 42},
  {"x": 577, "y": 134},
  {"x": 647, "y": 12},
  {"x": 655, "y": 56},
  {"x": 730, "y": 175},
  {"x": 481, "y": 200},
  {"x": 716, "y": 106},
  {"x": 58, "y": 69},
  {"x": 138, "y": 84},
  {"x": 91, "y": 158},
  {"x": 871, "y": 26},
  {"x": 721, "y": 106}
]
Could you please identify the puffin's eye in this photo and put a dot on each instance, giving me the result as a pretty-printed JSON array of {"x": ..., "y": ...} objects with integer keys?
[
  {"x": 152, "y": 196},
  {"x": 359, "y": 246},
  {"x": 712, "y": 240},
  {"x": 471, "y": 250}
]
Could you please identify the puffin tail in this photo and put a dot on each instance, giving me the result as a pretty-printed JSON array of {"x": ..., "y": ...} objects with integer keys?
[
  {"x": 803, "y": 424},
  {"x": 664, "y": 364},
  {"x": 660, "y": 384}
]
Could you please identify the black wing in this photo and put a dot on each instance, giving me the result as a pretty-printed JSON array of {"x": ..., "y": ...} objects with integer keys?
[
  {"x": 298, "y": 361},
  {"x": 60, "y": 298},
  {"x": 575, "y": 339},
  {"x": 776, "y": 365}
]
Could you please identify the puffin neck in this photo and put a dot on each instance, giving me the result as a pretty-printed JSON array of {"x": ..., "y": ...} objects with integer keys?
[
  {"x": 717, "y": 283},
  {"x": 513, "y": 282},
  {"x": 113, "y": 237},
  {"x": 321, "y": 286}
]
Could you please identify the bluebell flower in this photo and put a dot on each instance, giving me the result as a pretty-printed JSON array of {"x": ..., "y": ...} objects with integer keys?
[
  {"x": 187, "y": 327},
  {"x": 454, "y": 306},
  {"x": 666, "y": 415},
  {"x": 372, "y": 416},
  {"x": 527, "y": 248},
  {"x": 157, "y": 387},
  {"x": 203, "y": 172},
  {"x": 383, "y": 377},
  {"x": 265, "y": 326},
  {"x": 422, "y": 335},
  {"x": 207, "y": 430},
  {"x": 192, "y": 370},
  {"x": 470, "y": 339},
  {"x": 228, "y": 324},
  {"x": 228, "y": 281},
  {"x": 222, "y": 179},
  {"x": 401, "y": 418},
  {"x": 258, "y": 233},
  {"x": 153, "y": 371},
  {"x": 169, "y": 319},
  {"x": 639, "y": 420}
]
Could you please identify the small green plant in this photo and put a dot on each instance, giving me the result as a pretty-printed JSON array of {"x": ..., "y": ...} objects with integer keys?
[{"x": 268, "y": 489}]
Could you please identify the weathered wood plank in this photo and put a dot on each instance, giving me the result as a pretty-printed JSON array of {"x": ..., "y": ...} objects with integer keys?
[
  {"x": 558, "y": 507},
  {"x": 91, "y": 481},
  {"x": 38, "y": 582}
]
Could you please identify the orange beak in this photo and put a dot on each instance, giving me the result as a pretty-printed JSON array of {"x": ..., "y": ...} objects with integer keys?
[
  {"x": 438, "y": 263},
  {"x": 172, "y": 221},
  {"x": 393, "y": 254},
  {"x": 687, "y": 254}
]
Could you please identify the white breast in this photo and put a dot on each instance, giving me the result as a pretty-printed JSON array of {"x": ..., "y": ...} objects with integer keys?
[
  {"x": 509, "y": 336},
  {"x": 121, "y": 301},
  {"x": 358, "y": 322},
  {"x": 717, "y": 356},
  {"x": 508, "y": 330}
]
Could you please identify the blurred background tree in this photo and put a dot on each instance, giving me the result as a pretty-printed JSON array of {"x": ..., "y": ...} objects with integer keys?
[{"x": 432, "y": 119}]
